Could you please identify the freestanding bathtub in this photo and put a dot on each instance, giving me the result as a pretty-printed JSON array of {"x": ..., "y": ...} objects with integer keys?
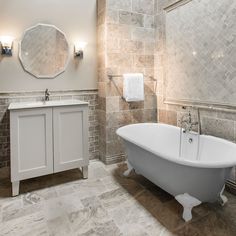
[{"x": 193, "y": 170}]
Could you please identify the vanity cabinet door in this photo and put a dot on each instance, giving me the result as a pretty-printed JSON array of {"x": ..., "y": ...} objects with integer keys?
[
  {"x": 70, "y": 128},
  {"x": 31, "y": 143}
]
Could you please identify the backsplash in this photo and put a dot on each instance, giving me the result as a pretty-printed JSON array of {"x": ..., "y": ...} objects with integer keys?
[
  {"x": 6, "y": 98},
  {"x": 126, "y": 42}
]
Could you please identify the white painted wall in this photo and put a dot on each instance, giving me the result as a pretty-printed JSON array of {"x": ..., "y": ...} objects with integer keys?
[{"x": 76, "y": 18}]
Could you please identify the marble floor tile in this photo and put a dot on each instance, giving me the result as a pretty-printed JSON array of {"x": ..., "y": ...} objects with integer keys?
[
  {"x": 133, "y": 219},
  {"x": 88, "y": 188},
  {"x": 129, "y": 184},
  {"x": 88, "y": 219},
  {"x": 93, "y": 219},
  {"x": 62, "y": 206},
  {"x": 59, "y": 226},
  {"x": 110, "y": 183},
  {"x": 20, "y": 212},
  {"x": 32, "y": 224},
  {"x": 105, "y": 204},
  {"x": 107, "y": 229},
  {"x": 97, "y": 171},
  {"x": 12, "y": 204},
  {"x": 80, "y": 222},
  {"x": 38, "y": 196},
  {"x": 64, "y": 189},
  {"x": 98, "y": 212},
  {"x": 209, "y": 225},
  {"x": 114, "y": 198}
]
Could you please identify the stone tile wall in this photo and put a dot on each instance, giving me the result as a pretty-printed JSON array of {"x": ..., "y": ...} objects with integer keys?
[
  {"x": 126, "y": 42},
  {"x": 7, "y": 98},
  {"x": 218, "y": 123}
]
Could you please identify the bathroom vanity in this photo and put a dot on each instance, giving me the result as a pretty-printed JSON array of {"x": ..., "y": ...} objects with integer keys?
[{"x": 47, "y": 137}]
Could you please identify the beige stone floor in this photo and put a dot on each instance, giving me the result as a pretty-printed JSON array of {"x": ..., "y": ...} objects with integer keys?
[{"x": 106, "y": 204}]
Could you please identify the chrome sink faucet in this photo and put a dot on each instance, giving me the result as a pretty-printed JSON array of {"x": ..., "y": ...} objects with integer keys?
[{"x": 46, "y": 95}]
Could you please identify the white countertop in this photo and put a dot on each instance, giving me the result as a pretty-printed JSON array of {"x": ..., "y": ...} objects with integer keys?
[{"x": 41, "y": 104}]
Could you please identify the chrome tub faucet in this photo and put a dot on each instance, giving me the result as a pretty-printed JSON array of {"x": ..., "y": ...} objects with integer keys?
[{"x": 187, "y": 123}]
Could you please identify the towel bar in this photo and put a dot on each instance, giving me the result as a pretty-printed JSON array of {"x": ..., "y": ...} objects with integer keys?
[{"x": 110, "y": 77}]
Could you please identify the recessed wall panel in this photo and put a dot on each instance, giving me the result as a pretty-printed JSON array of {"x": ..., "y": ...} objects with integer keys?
[{"x": 200, "y": 42}]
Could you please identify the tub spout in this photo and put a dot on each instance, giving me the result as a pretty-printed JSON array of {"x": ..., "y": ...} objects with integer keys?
[{"x": 188, "y": 202}]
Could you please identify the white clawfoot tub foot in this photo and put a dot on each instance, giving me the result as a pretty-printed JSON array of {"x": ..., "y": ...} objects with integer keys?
[
  {"x": 223, "y": 199},
  {"x": 137, "y": 172},
  {"x": 130, "y": 168},
  {"x": 188, "y": 202}
]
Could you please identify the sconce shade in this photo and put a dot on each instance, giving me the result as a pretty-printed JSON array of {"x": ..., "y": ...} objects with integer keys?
[{"x": 6, "y": 45}]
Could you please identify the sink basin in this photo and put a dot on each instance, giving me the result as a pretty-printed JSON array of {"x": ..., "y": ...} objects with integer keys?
[{"x": 56, "y": 103}]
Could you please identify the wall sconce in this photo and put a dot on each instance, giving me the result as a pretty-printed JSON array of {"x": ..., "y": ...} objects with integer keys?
[
  {"x": 79, "y": 49},
  {"x": 6, "y": 45}
]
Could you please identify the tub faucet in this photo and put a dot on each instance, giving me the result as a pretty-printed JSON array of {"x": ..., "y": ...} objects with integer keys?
[
  {"x": 187, "y": 123},
  {"x": 46, "y": 95}
]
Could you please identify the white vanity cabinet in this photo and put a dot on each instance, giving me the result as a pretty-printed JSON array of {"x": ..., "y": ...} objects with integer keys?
[{"x": 47, "y": 137}]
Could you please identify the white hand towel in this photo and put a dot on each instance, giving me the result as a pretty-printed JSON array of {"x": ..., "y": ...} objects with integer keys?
[{"x": 133, "y": 87}]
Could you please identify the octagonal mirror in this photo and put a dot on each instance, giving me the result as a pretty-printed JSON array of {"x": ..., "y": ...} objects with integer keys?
[{"x": 44, "y": 51}]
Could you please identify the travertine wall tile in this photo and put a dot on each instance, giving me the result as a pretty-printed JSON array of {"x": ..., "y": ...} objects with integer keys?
[
  {"x": 102, "y": 89},
  {"x": 149, "y": 87},
  {"x": 112, "y": 104},
  {"x": 114, "y": 89},
  {"x": 112, "y": 16},
  {"x": 101, "y": 61},
  {"x": 149, "y": 21},
  {"x": 113, "y": 46},
  {"x": 150, "y": 115},
  {"x": 130, "y": 18},
  {"x": 219, "y": 128},
  {"x": 143, "y": 34},
  {"x": 121, "y": 59},
  {"x": 101, "y": 17},
  {"x": 111, "y": 133},
  {"x": 168, "y": 117},
  {"x": 119, "y": 4},
  {"x": 116, "y": 31},
  {"x": 143, "y": 6},
  {"x": 114, "y": 147},
  {"x": 146, "y": 61},
  {"x": 127, "y": 38},
  {"x": 150, "y": 48},
  {"x": 131, "y": 46},
  {"x": 112, "y": 119},
  {"x": 101, "y": 5},
  {"x": 150, "y": 102}
]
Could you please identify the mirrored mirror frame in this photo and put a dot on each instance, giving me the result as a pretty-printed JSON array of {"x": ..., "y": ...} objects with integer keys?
[{"x": 61, "y": 69}]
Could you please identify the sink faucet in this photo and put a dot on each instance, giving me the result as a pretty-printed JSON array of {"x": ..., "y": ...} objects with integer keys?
[{"x": 46, "y": 95}]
